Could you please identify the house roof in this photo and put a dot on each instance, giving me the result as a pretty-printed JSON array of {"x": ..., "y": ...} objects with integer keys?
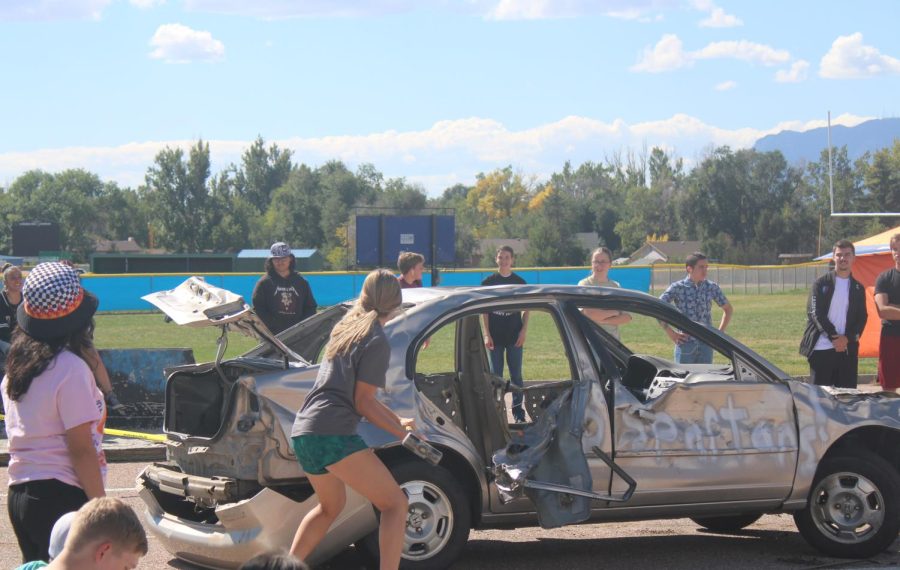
[
  {"x": 663, "y": 251},
  {"x": 675, "y": 250},
  {"x": 117, "y": 245}
]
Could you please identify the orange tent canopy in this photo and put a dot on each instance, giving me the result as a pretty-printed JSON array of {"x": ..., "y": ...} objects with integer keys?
[{"x": 866, "y": 269}]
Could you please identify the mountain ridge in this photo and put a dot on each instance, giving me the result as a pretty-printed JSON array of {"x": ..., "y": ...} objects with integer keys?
[{"x": 806, "y": 146}]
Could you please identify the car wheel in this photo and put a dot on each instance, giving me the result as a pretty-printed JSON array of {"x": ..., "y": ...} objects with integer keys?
[
  {"x": 854, "y": 506},
  {"x": 438, "y": 520},
  {"x": 730, "y": 523}
]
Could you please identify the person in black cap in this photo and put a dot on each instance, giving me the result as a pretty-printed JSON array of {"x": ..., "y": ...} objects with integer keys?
[
  {"x": 54, "y": 410},
  {"x": 282, "y": 297}
]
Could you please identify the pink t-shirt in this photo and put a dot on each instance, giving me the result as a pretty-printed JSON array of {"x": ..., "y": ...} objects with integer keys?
[{"x": 62, "y": 397}]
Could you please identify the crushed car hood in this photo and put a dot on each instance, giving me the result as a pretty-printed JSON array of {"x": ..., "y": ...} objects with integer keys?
[{"x": 196, "y": 303}]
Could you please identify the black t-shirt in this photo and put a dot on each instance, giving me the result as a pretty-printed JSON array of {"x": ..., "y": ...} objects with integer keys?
[
  {"x": 283, "y": 302},
  {"x": 504, "y": 326},
  {"x": 7, "y": 317},
  {"x": 889, "y": 282}
]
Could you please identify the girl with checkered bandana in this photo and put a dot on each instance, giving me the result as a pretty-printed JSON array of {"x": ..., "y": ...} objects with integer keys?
[{"x": 54, "y": 410}]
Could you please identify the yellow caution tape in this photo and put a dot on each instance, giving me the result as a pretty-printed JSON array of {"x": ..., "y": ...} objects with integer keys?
[{"x": 158, "y": 437}]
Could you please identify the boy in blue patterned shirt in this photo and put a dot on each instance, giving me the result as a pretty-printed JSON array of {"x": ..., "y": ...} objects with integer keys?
[{"x": 693, "y": 296}]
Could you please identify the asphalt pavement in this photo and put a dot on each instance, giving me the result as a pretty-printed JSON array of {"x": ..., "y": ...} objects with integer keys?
[{"x": 678, "y": 544}]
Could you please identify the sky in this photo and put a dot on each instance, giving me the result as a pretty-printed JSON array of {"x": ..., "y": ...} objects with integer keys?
[{"x": 435, "y": 91}]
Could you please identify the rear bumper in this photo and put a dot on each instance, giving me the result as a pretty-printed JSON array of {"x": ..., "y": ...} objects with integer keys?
[{"x": 266, "y": 521}]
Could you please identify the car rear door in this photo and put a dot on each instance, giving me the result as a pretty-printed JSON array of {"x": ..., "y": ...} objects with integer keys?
[{"x": 562, "y": 463}]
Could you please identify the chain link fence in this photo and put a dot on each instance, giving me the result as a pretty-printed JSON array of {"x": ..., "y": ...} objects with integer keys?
[{"x": 745, "y": 279}]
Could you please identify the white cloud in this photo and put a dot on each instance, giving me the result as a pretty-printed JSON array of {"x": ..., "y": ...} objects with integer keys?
[
  {"x": 719, "y": 19},
  {"x": 668, "y": 54},
  {"x": 639, "y": 10},
  {"x": 745, "y": 51},
  {"x": 17, "y": 10},
  {"x": 177, "y": 43},
  {"x": 726, "y": 85},
  {"x": 450, "y": 151},
  {"x": 795, "y": 74},
  {"x": 146, "y": 4},
  {"x": 282, "y": 9},
  {"x": 849, "y": 58}
]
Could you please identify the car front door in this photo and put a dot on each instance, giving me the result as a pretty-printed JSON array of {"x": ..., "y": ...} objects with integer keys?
[{"x": 704, "y": 433}]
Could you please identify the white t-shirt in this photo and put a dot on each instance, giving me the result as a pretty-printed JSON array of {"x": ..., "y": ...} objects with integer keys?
[
  {"x": 837, "y": 311},
  {"x": 62, "y": 397}
]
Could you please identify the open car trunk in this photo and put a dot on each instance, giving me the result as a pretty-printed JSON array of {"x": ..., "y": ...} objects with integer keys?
[{"x": 229, "y": 420}]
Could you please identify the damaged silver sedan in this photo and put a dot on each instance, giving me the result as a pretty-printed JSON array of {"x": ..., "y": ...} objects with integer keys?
[{"x": 616, "y": 431}]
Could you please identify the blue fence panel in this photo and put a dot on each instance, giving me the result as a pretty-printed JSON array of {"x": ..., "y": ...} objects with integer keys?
[
  {"x": 120, "y": 293},
  {"x": 124, "y": 292}
]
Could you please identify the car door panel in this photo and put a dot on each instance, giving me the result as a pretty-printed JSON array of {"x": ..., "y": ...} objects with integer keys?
[
  {"x": 555, "y": 462},
  {"x": 708, "y": 442}
]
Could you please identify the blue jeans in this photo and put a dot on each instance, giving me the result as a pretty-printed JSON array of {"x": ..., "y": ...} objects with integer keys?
[
  {"x": 693, "y": 352},
  {"x": 514, "y": 360}
]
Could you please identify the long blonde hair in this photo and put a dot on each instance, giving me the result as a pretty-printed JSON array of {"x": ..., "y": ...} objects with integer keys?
[{"x": 380, "y": 297}]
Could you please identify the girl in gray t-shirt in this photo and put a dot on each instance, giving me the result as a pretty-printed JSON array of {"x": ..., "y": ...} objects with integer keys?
[{"x": 324, "y": 433}]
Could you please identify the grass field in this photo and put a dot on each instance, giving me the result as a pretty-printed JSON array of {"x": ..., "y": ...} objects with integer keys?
[{"x": 770, "y": 324}]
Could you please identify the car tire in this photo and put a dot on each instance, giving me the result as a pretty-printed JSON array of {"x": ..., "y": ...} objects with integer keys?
[
  {"x": 854, "y": 506},
  {"x": 440, "y": 508},
  {"x": 729, "y": 523}
]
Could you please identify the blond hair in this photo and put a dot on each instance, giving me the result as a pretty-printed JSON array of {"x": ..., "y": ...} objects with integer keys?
[
  {"x": 107, "y": 519},
  {"x": 380, "y": 296}
]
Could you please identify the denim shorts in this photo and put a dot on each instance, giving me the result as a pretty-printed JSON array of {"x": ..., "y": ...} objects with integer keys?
[{"x": 316, "y": 452}]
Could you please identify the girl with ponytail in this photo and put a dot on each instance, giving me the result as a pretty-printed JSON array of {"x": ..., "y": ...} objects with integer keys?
[{"x": 324, "y": 435}]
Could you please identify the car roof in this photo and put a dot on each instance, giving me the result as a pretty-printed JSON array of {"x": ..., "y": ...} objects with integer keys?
[{"x": 424, "y": 295}]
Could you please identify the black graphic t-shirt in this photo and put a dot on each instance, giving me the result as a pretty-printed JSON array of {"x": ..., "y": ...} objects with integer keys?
[
  {"x": 504, "y": 326},
  {"x": 889, "y": 283},
  {"x": 282, "y": 302}
]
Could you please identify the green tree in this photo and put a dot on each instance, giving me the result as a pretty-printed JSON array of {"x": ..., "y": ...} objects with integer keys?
[
  {"x": 454, "y": 200},
  {"x": 882, "y": 181},
  {"x": 295, "y": 212},
  {"x": 551, "y": 241},
  {"x": 263, "y": 170},
  {"x": 402, "y": 196},
  {"x": 596, "y": 197},
  {"x": 341, "y": 192},
  {"x": 122, "y": 213},
  {"x": 650, "y": 209},
  {"x": 499, "y": 200},
  {"x": 68, "y": 198},
  {"x": 178, "y": 199}
]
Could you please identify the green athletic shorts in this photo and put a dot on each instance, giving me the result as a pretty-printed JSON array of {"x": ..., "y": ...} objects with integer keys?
[{"x": 316, "y": 452}]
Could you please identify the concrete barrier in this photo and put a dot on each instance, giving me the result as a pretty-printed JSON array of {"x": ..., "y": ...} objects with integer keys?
[{"x": 139, "y": 380}]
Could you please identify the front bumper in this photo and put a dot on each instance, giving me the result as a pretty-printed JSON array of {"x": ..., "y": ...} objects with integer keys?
[{"x": 264, "y": 522}]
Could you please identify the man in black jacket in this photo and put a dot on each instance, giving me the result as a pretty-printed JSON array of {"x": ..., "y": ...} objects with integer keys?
[
  {"x": 836, "y": 313},
  {"x": 282, "y": 298}
]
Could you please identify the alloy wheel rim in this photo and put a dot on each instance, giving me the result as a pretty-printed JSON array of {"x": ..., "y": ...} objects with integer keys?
[
  {"x": 429, "y": 520},
  {"x": 847, "y": 507}
]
